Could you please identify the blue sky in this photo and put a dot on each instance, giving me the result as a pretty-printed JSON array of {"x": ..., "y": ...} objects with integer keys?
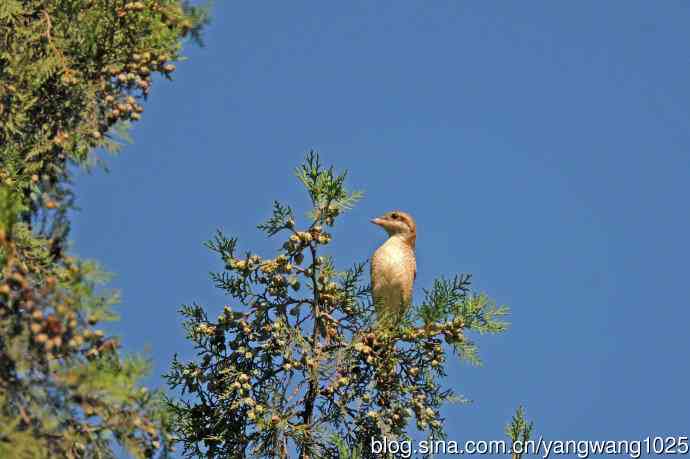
[{"x": 542, "y": 147}]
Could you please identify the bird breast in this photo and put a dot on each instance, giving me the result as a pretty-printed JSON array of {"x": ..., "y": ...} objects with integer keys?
[{"x": 392, "y": 273}]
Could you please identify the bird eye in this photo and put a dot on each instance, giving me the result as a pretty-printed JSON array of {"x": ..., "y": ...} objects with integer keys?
[{"x": 394, "y": 216}]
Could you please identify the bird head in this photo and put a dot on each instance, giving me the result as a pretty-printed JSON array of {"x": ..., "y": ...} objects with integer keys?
[{"x": 398, "y": 223}]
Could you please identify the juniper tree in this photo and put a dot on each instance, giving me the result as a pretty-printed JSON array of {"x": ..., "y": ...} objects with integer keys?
[
  {"x": 293, "y": 363},
  {"x": 65, "y": 391},
  {"x": 73, "y": 74}
]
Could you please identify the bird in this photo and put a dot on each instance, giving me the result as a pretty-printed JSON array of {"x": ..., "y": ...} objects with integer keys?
[{"x": 394, "y": 267}]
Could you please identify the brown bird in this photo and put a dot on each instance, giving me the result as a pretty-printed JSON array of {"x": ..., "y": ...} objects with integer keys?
[{"x": 393, "y": 267}]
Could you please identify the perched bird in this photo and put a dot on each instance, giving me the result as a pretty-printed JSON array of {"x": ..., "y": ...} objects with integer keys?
[{"x": 393, "y": 267}]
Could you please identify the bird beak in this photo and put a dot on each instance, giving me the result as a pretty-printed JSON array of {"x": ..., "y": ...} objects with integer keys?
[{"x": 377, "y": 221}]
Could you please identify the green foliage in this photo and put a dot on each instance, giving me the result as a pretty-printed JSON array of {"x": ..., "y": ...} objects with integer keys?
[
  {"x": 71, "y": 72},
  {"x": 10, "y": 209},
  {"x": 326, "y": 190},
  {"x": 343, "y": 449},
  {"x": 519, "y": 430},
  {"x": 450, "y": 302},
  {"x": 294, "y": 363},
  {"x": 282, "y": 218},
  {"x": 73, "y": 76},
  {"x": 65, "y": 391}
]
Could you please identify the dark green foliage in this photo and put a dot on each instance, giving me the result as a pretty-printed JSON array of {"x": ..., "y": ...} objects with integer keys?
[
  {"x": 293, "y": 364},
  {"x": 73, "y": 75},
  {"x": 70, "y": 72},
  {"x": 65, "y": 391},
  {"x": 282, "y": 219}
]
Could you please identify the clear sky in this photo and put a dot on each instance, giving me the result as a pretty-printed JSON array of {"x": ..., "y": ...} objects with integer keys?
[{"x": 541, "y": 146}]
